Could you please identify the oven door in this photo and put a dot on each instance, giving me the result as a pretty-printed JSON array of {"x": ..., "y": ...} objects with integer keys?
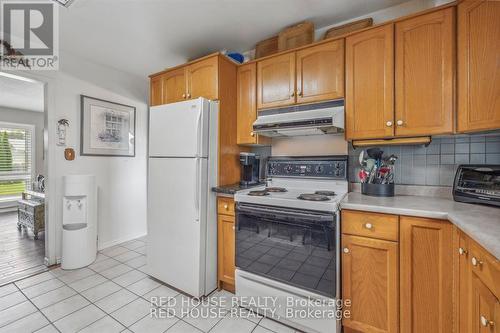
[{"x": 297, "y": 247}]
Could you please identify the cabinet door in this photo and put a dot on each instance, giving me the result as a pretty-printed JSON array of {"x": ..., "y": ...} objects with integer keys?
[
  {"x": 370, "y": 84},
  {"x": 478, "y": 65},
  {"x": 370, "y": 281},
  {"x": 202, "y": 79},
  {"x": 463, "y": 283},
  {"x": 425, "y": 53},
  {"x": 174, "y": 86},
  {"x": 156, "y": 91},
  {"x": 226, "y": 251},
  {"x": 320, "y": 72},
  {"x": 246, "y": 103},
  {"x": 276, "y": 81},
  {"x": 485, "y": 308},
  {"x": 426, "y": 275}
]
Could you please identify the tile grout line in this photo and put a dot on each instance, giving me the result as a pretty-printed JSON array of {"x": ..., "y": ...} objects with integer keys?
[{"x": 38, "y": 310}]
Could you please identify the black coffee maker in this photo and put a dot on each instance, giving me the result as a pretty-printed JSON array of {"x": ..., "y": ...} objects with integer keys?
[{"x": 250, "y": 168}]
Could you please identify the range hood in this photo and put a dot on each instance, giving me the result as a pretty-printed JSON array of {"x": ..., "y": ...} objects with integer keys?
[{"x": 315, "y": 119}]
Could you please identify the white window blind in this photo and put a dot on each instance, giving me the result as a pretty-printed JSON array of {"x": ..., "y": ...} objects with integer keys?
[{"x": 16, "y": 159}]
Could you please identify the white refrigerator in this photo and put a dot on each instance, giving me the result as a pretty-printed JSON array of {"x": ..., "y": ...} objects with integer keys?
[{"x": 182, "y": 222}]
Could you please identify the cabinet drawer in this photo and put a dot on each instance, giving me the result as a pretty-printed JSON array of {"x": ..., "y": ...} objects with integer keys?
[
  {"x": 225, "y": 206},
  {"x": 373, "y": 225},
  {"x": 486, "y": 267}
]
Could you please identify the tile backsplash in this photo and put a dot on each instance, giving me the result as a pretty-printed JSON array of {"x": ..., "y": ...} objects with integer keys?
[{"x": 437, "y": 163}]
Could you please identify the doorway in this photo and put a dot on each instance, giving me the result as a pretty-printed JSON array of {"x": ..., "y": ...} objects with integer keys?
[{"x": 22, "y": 178}]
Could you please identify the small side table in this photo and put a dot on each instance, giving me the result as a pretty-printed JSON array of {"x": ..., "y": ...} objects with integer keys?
[{"x": 31, "y": 212}]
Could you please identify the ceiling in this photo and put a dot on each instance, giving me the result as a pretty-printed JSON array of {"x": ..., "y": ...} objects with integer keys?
[
  {"x": 20, "y": 93},
  {"x": 145, "y": 36}
]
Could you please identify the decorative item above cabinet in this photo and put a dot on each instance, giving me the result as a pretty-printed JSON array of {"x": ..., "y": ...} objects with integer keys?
[{"x": 308, "y": 75}]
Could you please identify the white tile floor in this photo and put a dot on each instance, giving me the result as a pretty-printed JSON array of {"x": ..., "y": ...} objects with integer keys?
[{"x": 114, "y": 294}]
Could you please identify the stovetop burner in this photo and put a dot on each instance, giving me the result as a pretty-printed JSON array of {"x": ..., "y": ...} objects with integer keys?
[
  {"x": 258, "y": 193},
  {"x": 276, "y": 189},
  {"x": 313, "y": 197},
  {"x": 327, "y": 193}
]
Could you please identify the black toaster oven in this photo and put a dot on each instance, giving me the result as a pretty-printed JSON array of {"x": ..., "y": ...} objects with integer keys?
[{"x": 477, "y": 184}]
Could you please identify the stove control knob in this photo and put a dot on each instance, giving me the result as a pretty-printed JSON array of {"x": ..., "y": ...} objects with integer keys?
[
  {"x": 288, "y": 168},
  {"x": 319, "y": 169}
]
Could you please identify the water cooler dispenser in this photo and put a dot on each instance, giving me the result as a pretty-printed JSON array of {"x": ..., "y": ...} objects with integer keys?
[{"x": 79, "y": 238}]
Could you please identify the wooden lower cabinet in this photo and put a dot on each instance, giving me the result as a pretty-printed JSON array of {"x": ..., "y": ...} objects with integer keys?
[
  {"x": 225, "y": 244},
  {"x": 485, "y": 308},
  {"x": 478, "y": 288},
  {"x": 426, "y": 275},
  {"x": 370, "y": 281},
  {"x": 462, "y": 277}
]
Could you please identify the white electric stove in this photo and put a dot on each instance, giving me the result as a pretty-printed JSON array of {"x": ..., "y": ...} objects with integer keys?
[{"x": 288, "y": 241}]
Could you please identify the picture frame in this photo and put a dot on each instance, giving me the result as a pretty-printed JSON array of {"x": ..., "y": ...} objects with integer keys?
[{"x": 107, "y": 128}]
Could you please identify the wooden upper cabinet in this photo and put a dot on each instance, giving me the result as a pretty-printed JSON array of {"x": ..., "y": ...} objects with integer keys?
[
  {"x": 320, "y": 72},
  {"x": 156, "y": 91},
  {"x": 370, "y": 84},
  {"x": 174, "y": 86},
  {"x": 485, "y": 308},
  {"x": 202, "y": 79},
  {"x": 426, "y": 275},
  {"x": 370, "y": 281},
  {"x": 425, "y": 66},
  {"x": 247, "y": 105},
  {"x": 478, "y": 66},
  {"x": 276, "y": 81}
]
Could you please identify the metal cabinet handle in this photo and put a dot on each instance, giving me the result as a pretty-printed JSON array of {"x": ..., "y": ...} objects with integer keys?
[
  {"x": 292, "y": 94},
  {"x": 399, "y": 123},
  {"x": 183, "y": 95},
  {"x": 188, "y": 95},
  {"x": 252, "y": 134},
  {"x": 234, "y": 228},
  {"x": 226, "y": 206},
  {"x": 462, "y": 251},
  {"x": 300, "y": 93},
  {"x": 476, "y": 262},
  {"x": 368, "y": 225},
  {"x": 346, "y": 250},
  {"x": 485, "y": 322},
  {"x": 389, "y": 123}
]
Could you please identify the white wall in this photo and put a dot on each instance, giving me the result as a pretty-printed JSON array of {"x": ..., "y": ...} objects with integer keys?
[
  {"x": 32, "y": 118},
  {"x": 122, "y": 191}
]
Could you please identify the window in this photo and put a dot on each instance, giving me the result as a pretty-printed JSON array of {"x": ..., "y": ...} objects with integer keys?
[{"x": 16, "y": 159}]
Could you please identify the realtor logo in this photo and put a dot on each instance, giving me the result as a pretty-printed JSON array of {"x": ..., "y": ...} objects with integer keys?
[{"x": 29, "y": 35}]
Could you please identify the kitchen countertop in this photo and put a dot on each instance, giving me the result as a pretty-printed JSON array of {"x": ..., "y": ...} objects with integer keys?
[
  {"x": 232, "y": 188},
  {"x": 481, "y": 223}
]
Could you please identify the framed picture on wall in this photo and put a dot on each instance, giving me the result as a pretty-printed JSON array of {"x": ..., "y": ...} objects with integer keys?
[{"x": 107, "y": 128}]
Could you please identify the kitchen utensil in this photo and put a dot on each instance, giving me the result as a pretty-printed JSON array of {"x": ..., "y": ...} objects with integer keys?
[
  {"x": 362, "y": 156},
  {"x": 370, "y": 163},
  {"x": 375, "y": 153},
  {"x": 363, "y": 175}
]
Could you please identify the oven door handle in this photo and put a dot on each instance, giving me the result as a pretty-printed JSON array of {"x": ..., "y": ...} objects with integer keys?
[{"x": 254, "y": 209}]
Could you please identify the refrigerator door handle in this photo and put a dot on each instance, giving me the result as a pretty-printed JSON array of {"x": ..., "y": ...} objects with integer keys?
[
  {"x": 197, "y": 189},
  {"x": 198, "y": 134}
]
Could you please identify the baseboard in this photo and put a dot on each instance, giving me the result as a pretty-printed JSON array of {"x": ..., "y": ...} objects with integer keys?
[{"x": 118, "y": 241}]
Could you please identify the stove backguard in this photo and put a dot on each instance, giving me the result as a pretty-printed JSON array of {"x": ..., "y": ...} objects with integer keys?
[{"x": 297, "y": 247}]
